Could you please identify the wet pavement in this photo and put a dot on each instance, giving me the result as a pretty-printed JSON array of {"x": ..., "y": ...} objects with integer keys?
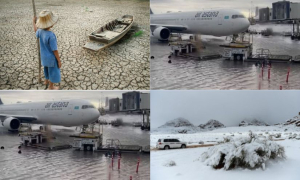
[
  {"x": 185, "y": 73},
  {"x": 71, "y": 164},
  {"x": 124, "y": 65}
]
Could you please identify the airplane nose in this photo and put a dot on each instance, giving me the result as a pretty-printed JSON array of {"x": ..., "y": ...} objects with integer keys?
[
  {"x": 96, "y": 114},
  {"x": 246, "y": 24}
]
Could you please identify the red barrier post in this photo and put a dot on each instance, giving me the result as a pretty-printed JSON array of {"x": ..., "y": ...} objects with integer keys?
[
  {"x": 288, "y": 74},
  {"x": 137, "y": 166},
  {"x": 112, "y": 162},
  {"x": 280, "y": 87},
  {"x": 119, "y": 163},
  {"x": 262, "y": 72},
  {"x": 130, "y": 177},
  {"x": 269, "y": 73}
]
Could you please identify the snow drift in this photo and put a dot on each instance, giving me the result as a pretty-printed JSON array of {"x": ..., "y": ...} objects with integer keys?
[{"x": 246, "y": 152}]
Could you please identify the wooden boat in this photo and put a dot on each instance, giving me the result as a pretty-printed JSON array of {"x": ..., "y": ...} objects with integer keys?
[{"x": 109, "y": 34}]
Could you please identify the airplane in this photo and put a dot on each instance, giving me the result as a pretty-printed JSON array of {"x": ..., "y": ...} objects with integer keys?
[
  {"x": 63, "y": 113},
  {"x": 223, "y": 22}
]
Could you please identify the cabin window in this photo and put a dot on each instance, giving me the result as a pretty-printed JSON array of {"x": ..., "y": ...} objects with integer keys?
[
  {"x": 87, "y": 106},
  {"x": 238, "y": 16}
]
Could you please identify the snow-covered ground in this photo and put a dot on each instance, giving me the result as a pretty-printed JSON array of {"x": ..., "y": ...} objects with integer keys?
[
  {"x": 212, "y": 137},
  {"x": 188, "y": 164}
]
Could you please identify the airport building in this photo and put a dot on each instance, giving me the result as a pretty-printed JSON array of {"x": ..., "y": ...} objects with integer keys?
[
  {"x": 264, "y": 14},
  {"x": 131, "y": 101},
  {"x": 135, "y": 101},
  {"x": 271, "y": 14},
  {"x": 114, "y": 105},
  {"x": 283, "y": 10},
  {"x": 295, "y": 10}
]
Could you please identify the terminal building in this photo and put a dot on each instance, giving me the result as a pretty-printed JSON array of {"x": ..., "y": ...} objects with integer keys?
[
  {"x": 131, "y": 101},
  {"x": 264, "y": 14},
  {"x": 284, "y": 10},
  {"x": 280, "y": 11},
  {"x": 114, "y": 105}
]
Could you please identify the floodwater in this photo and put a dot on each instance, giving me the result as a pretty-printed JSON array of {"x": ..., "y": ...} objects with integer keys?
[
  {"x": 71, "y": 164},
  {"x": 185, "y": 73}
]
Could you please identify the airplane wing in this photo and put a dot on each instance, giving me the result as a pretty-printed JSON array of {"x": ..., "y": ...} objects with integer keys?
[
  {"x": 170, "y": 27},
  {"x": 23, "y": 119}
]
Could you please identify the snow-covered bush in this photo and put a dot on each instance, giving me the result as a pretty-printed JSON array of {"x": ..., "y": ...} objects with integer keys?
[
  {"x": 292, "y": 136},
  {"x": 278, "y": 135},
  {"x": 170, "y": 163},
  {"x": 247, "y": 152}
]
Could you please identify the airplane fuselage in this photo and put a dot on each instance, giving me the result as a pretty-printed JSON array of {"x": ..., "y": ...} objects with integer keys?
[
  {"x": 211, "y": 22},
  {"x": 63, "y": 113}
]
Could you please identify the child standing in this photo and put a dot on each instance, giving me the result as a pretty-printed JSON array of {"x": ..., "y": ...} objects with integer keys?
[{"x": 48, "y": 46}]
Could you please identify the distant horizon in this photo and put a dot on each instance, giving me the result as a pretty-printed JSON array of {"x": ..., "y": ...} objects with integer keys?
[
  {"x": 245, "y": 119},
  {"x": 95, "y": 97},
  {"x": 163, "y": 6},
  {"x": 229, "y": 107}
]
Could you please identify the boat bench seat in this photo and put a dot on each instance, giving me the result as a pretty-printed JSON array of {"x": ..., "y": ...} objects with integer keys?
[{"x": 105, "y": 36}]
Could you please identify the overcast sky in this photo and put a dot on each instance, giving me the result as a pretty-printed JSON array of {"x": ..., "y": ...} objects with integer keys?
[
  {"x": 229, "y": 107},
  {"x": 9, "y": 97},
  {"x": 162, "y": 6}
]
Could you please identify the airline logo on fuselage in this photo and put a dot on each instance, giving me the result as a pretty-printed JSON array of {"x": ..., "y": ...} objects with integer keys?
[
  {"x": 57, "y": 105},
  {"x": 207, "y": 14}
]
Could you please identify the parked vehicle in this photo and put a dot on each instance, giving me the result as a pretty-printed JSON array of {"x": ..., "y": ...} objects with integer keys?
[{"x": 170, "y": 143}]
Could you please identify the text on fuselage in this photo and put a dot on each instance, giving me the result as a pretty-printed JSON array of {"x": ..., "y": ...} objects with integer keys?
[
  {"x": 207, "y": 14},
  {"x": 57, "y": 105}
]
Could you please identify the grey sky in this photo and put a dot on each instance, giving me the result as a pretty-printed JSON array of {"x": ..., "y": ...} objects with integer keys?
[
  {"x": 162, "y": 6},
  {"x": 9, "y": 97},
  {"x": 229, "y": 107}
]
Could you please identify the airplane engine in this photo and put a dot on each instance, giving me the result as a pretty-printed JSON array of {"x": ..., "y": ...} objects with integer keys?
[
  {"x": 11, "y": 123},
  {"x": 162, "y": 33}
]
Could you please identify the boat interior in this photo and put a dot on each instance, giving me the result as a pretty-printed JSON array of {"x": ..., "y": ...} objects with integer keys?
[{"x": 111, "y": 30}]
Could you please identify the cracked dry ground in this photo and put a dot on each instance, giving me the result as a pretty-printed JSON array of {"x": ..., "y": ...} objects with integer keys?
[{"x": 124, "y": 65}]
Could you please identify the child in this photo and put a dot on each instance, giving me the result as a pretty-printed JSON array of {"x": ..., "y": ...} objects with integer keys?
[{"x": 48, "y": 46}]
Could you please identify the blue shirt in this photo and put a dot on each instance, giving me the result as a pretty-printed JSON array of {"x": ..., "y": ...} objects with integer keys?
[{"x": 48, "y": 44}]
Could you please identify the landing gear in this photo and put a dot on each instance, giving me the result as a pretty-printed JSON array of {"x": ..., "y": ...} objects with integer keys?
[
  {"x": 234, "y": 37},
  {"x": 88, "y": 147}
]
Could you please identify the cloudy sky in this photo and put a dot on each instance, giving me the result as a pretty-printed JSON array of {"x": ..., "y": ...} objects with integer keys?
[
  {"x": 229, "y": 107},
  {"x": 9, "y": 97},
  {"x": 162, "y": 6}
]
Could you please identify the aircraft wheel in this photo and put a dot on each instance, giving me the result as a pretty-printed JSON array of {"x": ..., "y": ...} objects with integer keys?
[{"x": 89, "y": 147}]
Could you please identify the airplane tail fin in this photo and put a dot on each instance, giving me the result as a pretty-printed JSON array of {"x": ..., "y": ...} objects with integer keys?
[
  {"x": 1, "y": 102},
  {"x": 151, "y": 12}
]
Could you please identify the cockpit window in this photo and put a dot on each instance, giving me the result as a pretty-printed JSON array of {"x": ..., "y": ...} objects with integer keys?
[
  {"x": 238, "y": 16},
  {"x": 87, "y": 106}
]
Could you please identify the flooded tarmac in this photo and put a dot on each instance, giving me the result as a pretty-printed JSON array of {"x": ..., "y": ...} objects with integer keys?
[
  {"x": 71, "y": 164},
  {"x": 185, "y": 73}
]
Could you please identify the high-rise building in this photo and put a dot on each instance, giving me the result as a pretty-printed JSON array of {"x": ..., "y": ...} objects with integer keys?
[{"x": 106, "y": 102}]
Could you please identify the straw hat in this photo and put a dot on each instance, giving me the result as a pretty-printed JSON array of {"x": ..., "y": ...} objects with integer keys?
[{"x": 46, "y": 19}]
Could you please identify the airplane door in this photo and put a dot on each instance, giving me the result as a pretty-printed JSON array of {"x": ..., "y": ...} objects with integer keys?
[
  {"x": 70, "y": 111},
  {"x": 220, "y": 19}
]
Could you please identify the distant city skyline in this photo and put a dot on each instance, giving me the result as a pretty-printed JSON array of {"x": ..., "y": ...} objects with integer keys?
[
  {"x": 228, "y": 107},
  {"x": 11, "y": 97},
  {"x": 163, "y": 6}
]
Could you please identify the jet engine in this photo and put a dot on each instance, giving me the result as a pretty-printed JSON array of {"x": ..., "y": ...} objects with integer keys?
[
  {"x": 11, "y": 123},
  {"x": 162, "y": 33}
]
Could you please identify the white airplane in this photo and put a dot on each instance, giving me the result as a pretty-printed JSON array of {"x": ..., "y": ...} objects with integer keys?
[
  {"x": 62, "y": 113},
  {"x": 223, "y": 22}
]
